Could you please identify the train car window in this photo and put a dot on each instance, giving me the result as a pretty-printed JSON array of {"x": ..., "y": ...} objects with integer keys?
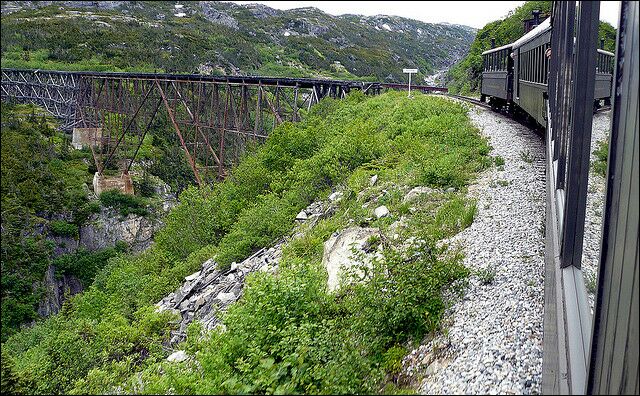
[
  {"x": 540, "y": 63},
  {"x": 536, "y": 64},
  {"x": 599, "y": 68}
]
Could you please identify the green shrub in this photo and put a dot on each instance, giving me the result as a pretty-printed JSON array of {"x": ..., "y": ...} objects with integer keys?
[
  {"x": 125, "y": 203},
  {"x": 62, "y": 228},
  {"x": 601, "y": 152},
  {"x": 84, "y": 265}
]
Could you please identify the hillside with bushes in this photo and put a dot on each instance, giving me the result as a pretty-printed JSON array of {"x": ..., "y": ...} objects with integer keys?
[{"x": 288, "y": 333}]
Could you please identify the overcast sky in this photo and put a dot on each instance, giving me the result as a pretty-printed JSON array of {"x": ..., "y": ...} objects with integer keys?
[{"x": 470, "y": 13}]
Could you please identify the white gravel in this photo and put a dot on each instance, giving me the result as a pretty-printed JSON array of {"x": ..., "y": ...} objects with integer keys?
[
  {"x": 492, "y": 342},
  {"x": 595, "y": 206}
]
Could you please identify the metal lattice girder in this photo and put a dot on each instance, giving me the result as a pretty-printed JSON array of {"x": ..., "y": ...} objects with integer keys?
[{"x": 213, "y": 118}]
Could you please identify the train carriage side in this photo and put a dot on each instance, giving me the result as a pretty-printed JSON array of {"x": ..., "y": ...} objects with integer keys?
[
  {"x": 497, "y": 76},
  {"x": 604, "y": 76},
  {"x": 530, "y": 71}
]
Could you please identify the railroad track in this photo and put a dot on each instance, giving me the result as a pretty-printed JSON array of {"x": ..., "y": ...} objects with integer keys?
[
  {"x": 488, "y": 106},
  {"x": 471, "y": 100}
]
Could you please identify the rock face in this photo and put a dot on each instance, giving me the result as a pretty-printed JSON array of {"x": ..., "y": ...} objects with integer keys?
[
  {"x": 108, "y": 227},
  {"x": 213, "y": 15},
  {"x": 209, "y": 291},
  {"x": 102, "y": 230},
  {"x": 56, "y": 290},
  {"x": 342, "y": 251}
]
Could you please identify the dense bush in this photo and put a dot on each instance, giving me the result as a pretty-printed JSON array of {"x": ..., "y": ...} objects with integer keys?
[
  {"x": 288, "y": 334},
  {"x": 125, "y": 203},
  {"x": 84, "y": 265},
  {"x": 62, "y": 228}
]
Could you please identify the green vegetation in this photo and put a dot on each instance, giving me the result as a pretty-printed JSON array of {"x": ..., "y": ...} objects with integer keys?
[
  {"x": 486, "y": 275},
  {"x": 44, "y": 197},
  {"x": 84, "y": 265},
  {"x": 287, "y": 334},
  {"x": 62, "y": 228},
  {"x": 599, "y": 165},
  {"x": 40, "y": 178},
  {"x": 148, "y": 37},
  {"x": 466, "y": 75},
  {"x": 526, "y": 156},
  {"x": 126, "y": 204}
]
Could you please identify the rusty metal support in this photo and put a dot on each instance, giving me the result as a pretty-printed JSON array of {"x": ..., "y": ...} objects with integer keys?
[{"x": 177, "y": 129}]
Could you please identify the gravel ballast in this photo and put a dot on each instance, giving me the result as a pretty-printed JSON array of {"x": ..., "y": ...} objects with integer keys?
[
  {"x": 492, "y": 342},
  {"x": 595, "y": 206}
]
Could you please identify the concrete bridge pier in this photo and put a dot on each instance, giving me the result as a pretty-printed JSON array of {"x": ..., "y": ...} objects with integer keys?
[{"x": 122, "y": 183}]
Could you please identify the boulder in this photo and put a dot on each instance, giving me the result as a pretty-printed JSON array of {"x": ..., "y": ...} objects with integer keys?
[
  {"x": 192, "y": 276},
  {"x": 178, "y": 356},
  {"x": 335, "y": 196},
  {"x": 381, "y": 211},
  {"x": 226, "y": 298},
  {"x": 339, "y": 252}
]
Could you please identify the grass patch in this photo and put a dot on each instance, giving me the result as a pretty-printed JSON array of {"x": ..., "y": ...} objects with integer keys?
[
  {"x": 526, "y": 156},
  {"x": 599, "y": 165}
]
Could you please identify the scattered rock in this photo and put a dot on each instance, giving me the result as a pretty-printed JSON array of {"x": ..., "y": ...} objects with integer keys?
[
  {"x": 416, "y": 192},
  {"x": 335, "y": 196},
  {"x": 178, "y": 356},
  {"x": 381, "y": 211},
  {"x": 302, "y": 215},
  {"x": 373, "y": 180}
]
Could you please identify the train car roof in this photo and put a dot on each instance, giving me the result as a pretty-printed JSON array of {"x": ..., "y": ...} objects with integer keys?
[
  {"x": 497, "y": 49},
  {"x": 541, "y": 28}
]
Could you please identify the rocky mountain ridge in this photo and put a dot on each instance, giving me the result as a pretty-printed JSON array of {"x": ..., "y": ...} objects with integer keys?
[{"x": 227, "y": 38}]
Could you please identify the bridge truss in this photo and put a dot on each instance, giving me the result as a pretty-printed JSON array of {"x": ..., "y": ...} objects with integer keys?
[{"x": 213, "y": 118}]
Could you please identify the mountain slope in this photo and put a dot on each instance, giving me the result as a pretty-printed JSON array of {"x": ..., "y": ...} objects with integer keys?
[{"x": 223, "y": 38}]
